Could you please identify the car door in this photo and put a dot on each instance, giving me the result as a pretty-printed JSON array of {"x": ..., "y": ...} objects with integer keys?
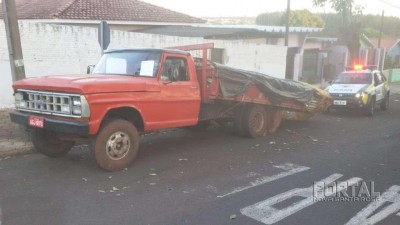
[
  {"x": 385, "y": 86},
  {"x": 379, "y": 86},
  {"x": 180, "y": 93}
]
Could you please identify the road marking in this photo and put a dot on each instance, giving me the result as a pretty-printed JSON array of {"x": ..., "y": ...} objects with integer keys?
[
  {"x": 264, "y": 211},
  {"x": 289, "y": 169},
  {"x": 368, "y": 214}
]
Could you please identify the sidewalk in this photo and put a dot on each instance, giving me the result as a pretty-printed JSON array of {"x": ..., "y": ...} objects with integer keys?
[{"x": 13, "y": 138}]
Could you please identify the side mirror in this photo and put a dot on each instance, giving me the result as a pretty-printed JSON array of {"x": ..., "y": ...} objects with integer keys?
[
  {"x": 90, "y": 69},
  {"x": 330, "y": 82}
]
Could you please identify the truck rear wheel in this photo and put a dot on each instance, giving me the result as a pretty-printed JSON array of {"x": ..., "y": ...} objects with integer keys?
[
  {"x": 254, "y": 121},
  {"x": 116, "y": 145},
  {"x": 49, "y": 144},
  {"x": 274, "y": 120}
]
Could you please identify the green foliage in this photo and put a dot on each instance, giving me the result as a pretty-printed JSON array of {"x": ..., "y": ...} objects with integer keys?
[
  {"x": 371, "y": 32},
  {"x": 304, "y": 18},
  {"x": 271, "y": 19},
  {"x": 370, "y": 25},
  {"x": 298, "y": 18},
  {"x": 344, "y": 8}
]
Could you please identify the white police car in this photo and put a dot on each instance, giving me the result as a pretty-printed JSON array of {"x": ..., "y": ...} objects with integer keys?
[{"x": 362, "y": 87}]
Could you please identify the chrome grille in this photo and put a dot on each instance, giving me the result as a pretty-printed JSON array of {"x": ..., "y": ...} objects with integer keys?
[{"x": 46, "y": 102}]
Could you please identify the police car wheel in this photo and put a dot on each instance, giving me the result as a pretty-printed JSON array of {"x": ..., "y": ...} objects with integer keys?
[{"x": 385, "y": 103}]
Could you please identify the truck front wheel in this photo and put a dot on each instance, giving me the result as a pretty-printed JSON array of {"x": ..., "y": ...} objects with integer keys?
[
  {"x": 49, "y": 144},
  {"x": 116, "y": 145}
]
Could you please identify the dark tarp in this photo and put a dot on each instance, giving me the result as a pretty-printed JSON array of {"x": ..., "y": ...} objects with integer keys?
[{"x": 236, "y": 82}]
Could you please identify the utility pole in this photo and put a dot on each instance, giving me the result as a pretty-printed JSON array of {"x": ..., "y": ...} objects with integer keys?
[
  {"x": 13, "y": 40},
  {"x": 287, "y": 23},
  {"x": 380, "y": 31}
]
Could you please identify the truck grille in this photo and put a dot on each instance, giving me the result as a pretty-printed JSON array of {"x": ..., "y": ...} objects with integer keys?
[{"x": 46, "y": 102}]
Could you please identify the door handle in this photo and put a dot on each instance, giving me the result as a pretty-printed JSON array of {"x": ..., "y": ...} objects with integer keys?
[{"x": 195, "y": 87}]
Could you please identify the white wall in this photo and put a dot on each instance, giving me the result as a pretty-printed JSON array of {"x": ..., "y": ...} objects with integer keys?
[{"x": 60, "y": 49}]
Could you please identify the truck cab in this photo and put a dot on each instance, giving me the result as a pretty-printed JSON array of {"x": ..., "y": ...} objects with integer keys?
[{"x": 129, "y": 91}]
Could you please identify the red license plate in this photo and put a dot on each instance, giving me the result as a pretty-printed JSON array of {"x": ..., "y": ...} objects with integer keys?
[{"x": 36, "y": 121}]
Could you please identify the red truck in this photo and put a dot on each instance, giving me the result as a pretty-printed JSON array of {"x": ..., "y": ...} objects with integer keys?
[{"x": 132, "y": 91}]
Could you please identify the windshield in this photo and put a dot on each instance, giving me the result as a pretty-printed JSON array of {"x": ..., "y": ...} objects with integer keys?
[
  {"x": 132, "y": 63},
  {"x": 353, "y": 78}
]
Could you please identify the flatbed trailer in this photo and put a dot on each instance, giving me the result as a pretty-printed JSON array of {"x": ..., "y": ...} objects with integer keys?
[{"x": 220, "y": 108}]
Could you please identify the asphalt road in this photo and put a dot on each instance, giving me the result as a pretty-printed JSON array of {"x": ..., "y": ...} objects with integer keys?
[{"x": 215, "y": 177}]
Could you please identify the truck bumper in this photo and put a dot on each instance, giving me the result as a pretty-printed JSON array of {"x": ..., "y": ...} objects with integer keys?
[{"x": 59, "y": 126}]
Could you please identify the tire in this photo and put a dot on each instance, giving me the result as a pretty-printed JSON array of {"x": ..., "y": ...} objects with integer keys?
[
  {"x": 49, "y": 144},
  {"x": 254, "y": 121},
  {"x": 116, "y": 145},
  {"x": 385, "y": 103},
  {"x": 370, "y": 111},
  {"x": 274, "y": 120}
]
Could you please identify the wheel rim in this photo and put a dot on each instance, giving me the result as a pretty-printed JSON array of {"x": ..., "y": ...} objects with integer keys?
[
  {"x": 118, "y": 145},
  {"x": 257, "y": 122}
]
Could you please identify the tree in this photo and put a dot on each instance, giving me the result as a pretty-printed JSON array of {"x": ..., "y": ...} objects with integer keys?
[
  {"x": 270, "y": 19},
  {"x": 298, "y": 18},
  {"x": 350, "y": 32},
  {"x": 304, "y": 18},
  {"x": 341, "y": 7}
]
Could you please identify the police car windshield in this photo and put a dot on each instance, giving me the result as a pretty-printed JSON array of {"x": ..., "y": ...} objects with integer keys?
[{"x": 353, "y": 78}]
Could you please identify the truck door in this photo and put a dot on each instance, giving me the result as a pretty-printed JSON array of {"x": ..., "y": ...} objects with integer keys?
[{"x": 180, "y": 93}]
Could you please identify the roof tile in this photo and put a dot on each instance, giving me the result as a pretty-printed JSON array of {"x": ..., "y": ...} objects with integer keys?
[{"x": 117, "y": 10}]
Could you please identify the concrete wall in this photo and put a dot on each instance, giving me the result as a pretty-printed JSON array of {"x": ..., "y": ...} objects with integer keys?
[{"x": 63, "y": 49}]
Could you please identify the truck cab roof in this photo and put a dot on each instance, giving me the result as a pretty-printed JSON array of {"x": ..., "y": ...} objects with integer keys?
[{"x": 157, "y": 50}]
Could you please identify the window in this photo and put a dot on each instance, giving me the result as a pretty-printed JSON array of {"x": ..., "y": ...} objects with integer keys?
[
  {"x": 175, "y": 69},
  {"x": 353, "y": 78},
  {"x": 130, "y": 63},
  {"x": 378, "y": 78}
]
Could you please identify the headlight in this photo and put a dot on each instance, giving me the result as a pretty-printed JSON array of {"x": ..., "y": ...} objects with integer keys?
[
  {"x": 76, "y": 110},
  {"x": 361, "y": 94},
  {"x": 76, "y": 101},
  {"x": 80, "y": 107},
  {"x": 19, "y": 100},
  {"x": 18, "y": 97}
]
